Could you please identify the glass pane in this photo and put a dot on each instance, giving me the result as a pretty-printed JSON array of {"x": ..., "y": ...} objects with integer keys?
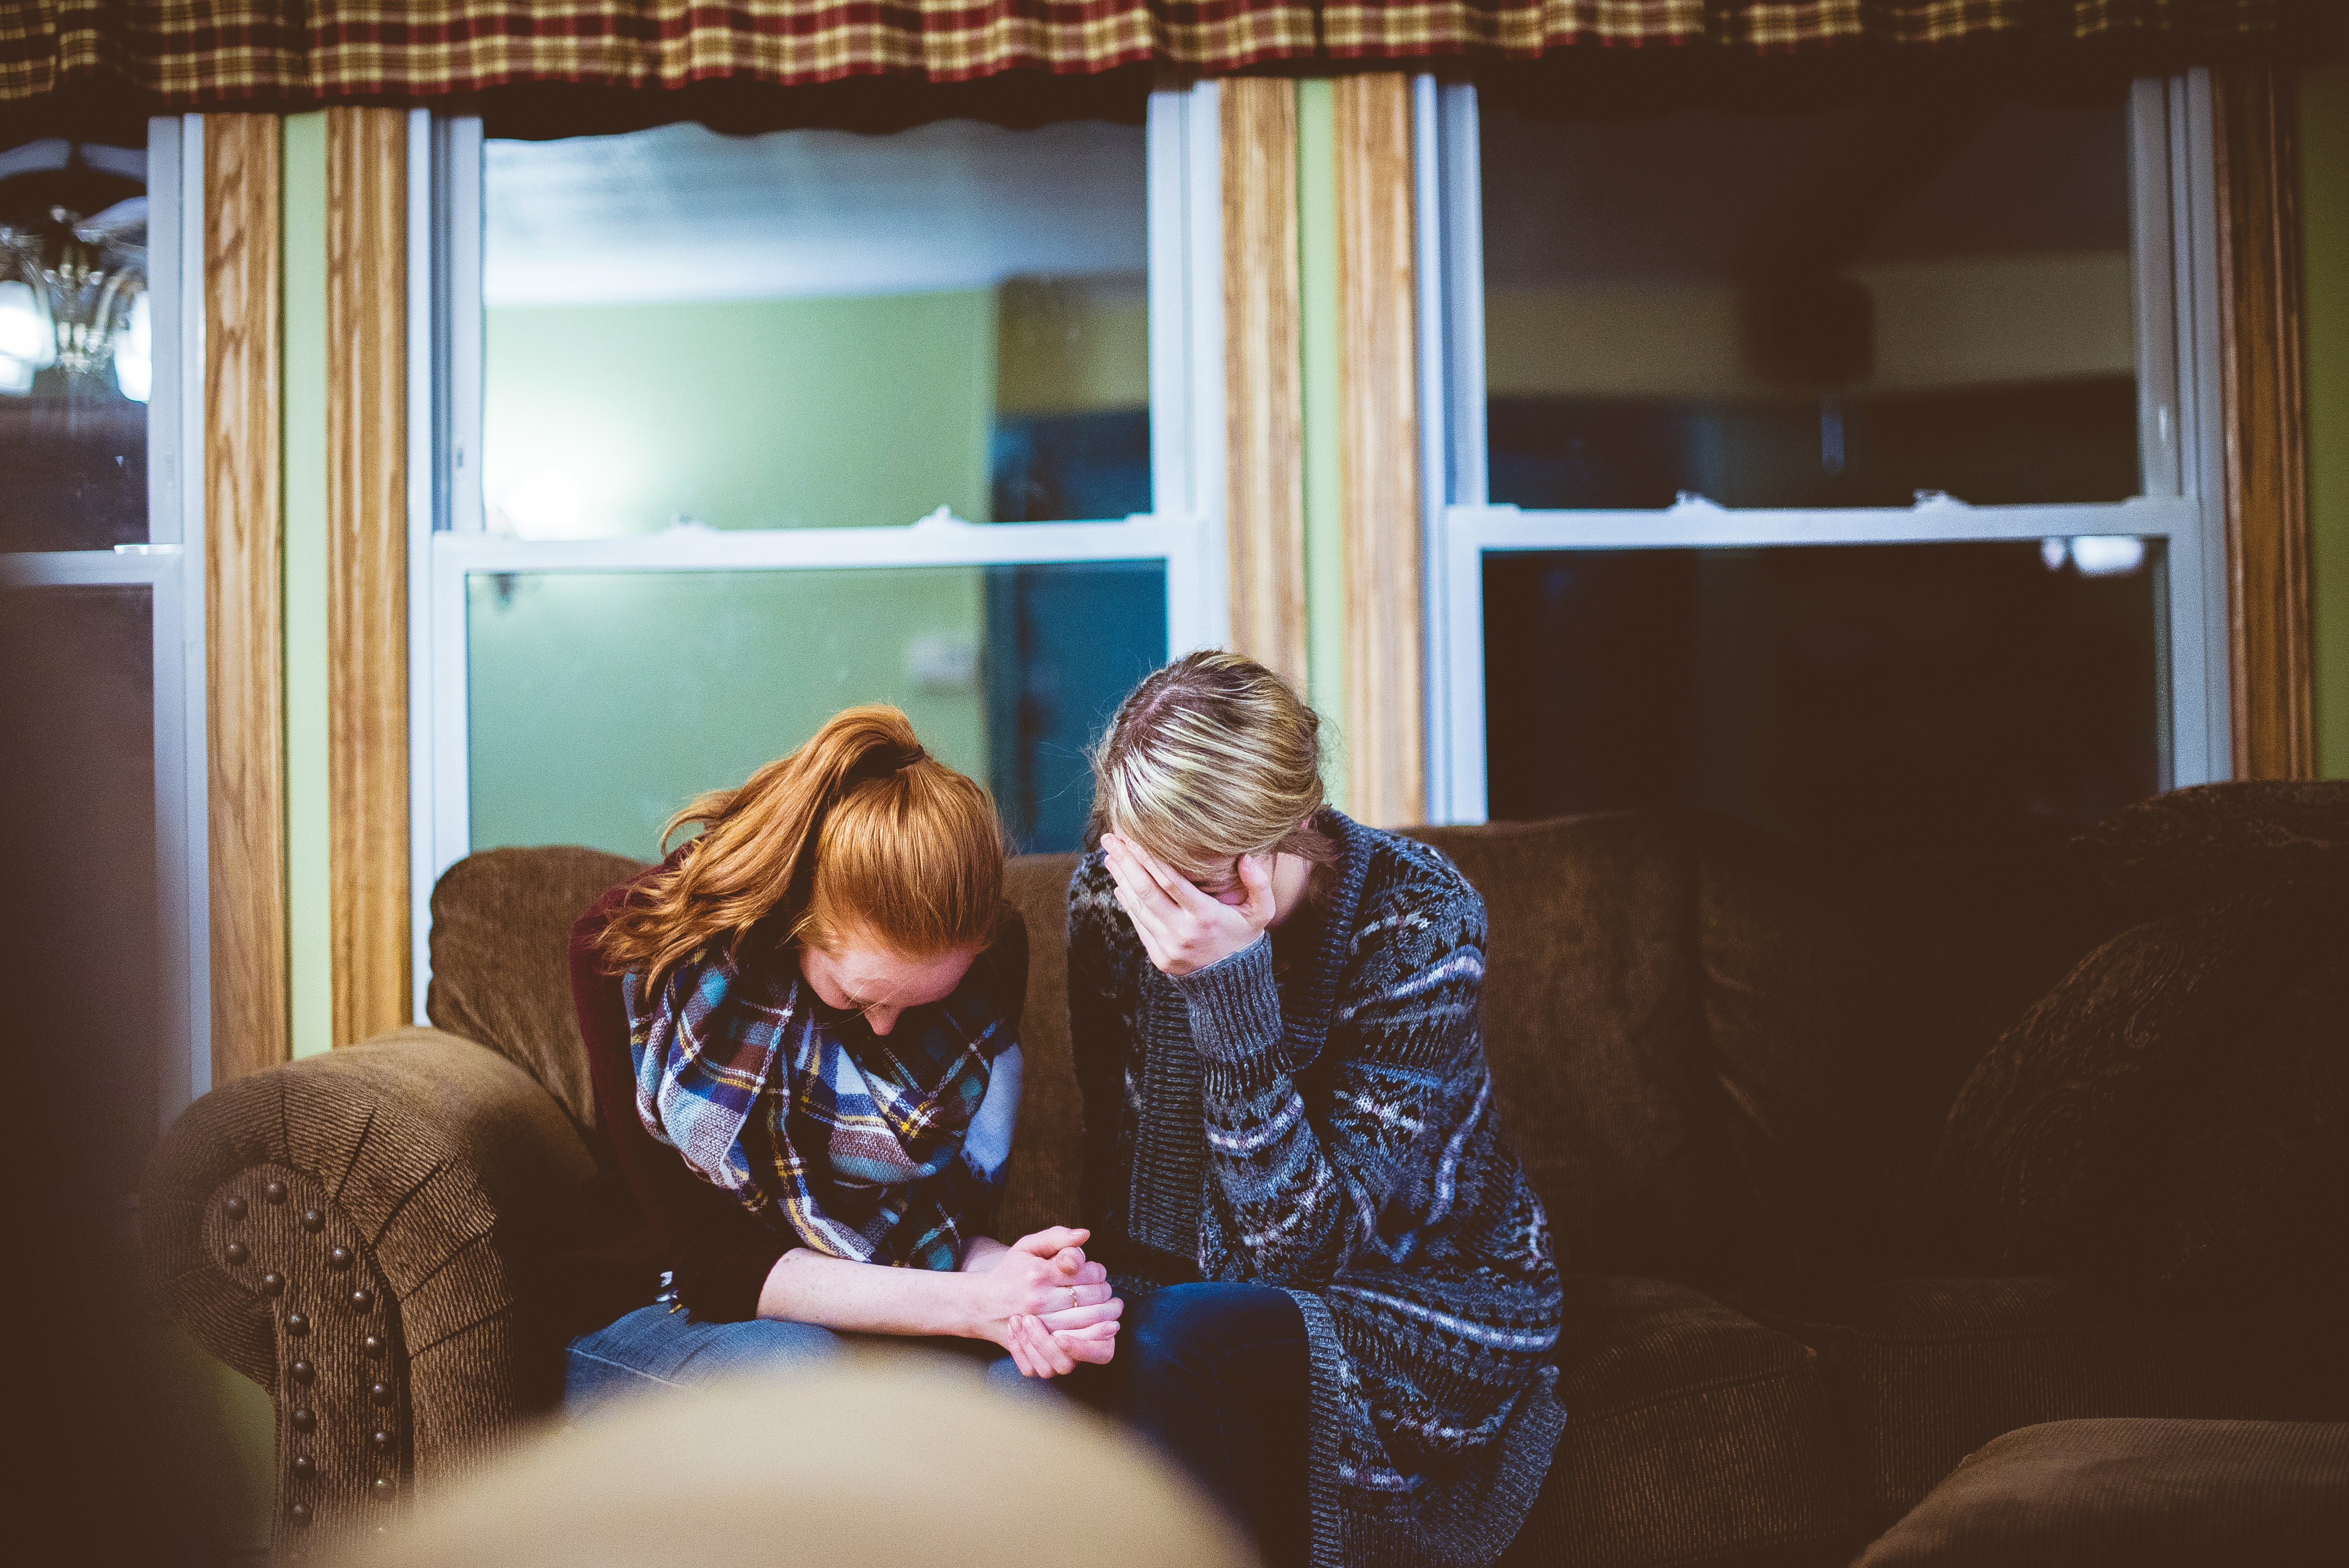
[
  {"x": 602, "y": 704},
  {"x": 815, "y": 328},
  {"x": 78, "y": 710},
  {"x": 76, "y": 345},
  {"x": 1894, "y": 697},
  {"x": 1810, "y": 310}
]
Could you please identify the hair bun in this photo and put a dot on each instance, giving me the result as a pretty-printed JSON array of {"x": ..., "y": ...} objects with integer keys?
[{"x": 884, "y": 761}]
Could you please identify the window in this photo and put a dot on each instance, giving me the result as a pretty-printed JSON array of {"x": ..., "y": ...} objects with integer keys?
[
  {"x": 735, "y": 432},
  {"x": 102, "y": 594},
  {"x": 1833, "y": 469}
]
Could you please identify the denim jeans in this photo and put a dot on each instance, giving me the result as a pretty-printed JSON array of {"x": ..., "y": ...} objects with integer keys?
[
  {"x": 656, "y": 1347},
  {"x": 1214, "y": 1374}
]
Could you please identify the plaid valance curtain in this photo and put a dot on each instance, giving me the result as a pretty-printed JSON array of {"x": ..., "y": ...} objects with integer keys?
[{"x": 187, "y": 53}]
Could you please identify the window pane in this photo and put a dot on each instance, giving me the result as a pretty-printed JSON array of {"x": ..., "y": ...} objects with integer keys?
[
  {"x": 1824, "y": 309},
  {"x": 78, "y": 710},
  {"x": 1895, "y": 697},
  {"x": 601, "y": 703},
  {"x": 815, "y": 328},
  {"x": 76, "y": 345}
]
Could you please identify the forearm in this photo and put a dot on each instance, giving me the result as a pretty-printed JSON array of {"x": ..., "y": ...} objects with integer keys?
[
  {"x": 979, "y": 1253},
  {"x": 1265, "y": 1155},
  {"x": 805, "y": 1287}
]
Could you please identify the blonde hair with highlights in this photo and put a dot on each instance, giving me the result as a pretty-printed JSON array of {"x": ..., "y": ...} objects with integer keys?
[
  {"x": 1210, "y": 758},
  {"x": 860, "y": 833}
]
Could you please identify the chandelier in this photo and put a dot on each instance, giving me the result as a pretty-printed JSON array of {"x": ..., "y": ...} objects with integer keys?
[{"x": 73, "y": 295}]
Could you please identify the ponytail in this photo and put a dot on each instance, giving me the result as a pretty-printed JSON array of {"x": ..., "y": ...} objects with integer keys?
[{"x": 858, "y": 832}]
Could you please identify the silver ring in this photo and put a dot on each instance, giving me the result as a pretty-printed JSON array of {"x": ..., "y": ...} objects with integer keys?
[{"x": 1073, "y": 1298}]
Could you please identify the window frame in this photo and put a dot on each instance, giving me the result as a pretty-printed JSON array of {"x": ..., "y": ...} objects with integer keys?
[
  {"x": 170, "y": 565},
  {"x": 2174, "y": 272},
  {"x": 448, "y": 542}
]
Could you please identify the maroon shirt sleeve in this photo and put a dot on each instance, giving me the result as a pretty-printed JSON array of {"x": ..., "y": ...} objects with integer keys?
[{"x": 717, "y": 1253}]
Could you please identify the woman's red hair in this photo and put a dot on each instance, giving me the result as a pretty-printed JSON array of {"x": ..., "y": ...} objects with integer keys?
[{"x": 860, "y": 833}]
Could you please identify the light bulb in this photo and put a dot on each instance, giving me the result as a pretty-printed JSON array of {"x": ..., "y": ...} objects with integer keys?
[
  {"x": 134, "y": 352},
  {"x": 25, "y": 334}
]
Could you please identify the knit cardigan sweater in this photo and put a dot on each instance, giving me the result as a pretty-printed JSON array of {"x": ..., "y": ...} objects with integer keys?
[{"x": 1332, "y": 1131}]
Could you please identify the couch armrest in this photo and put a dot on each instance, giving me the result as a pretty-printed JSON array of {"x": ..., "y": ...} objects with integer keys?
[{"x": 353, "y": 1231}]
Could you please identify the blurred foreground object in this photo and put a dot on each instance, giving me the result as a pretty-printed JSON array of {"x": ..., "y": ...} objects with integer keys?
[{"x": 877, "y": 1462}]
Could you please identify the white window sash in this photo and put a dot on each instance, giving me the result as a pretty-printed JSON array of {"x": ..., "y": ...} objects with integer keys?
[
  {"x": 1186, "y": 533},
  {"x": 170, "y": 566},
  {"x": 1476, "y": 532},
  {"x": 2174, "y": 265}
]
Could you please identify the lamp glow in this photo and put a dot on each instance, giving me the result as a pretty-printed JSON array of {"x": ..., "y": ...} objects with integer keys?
[
  {"x": 134, "y": 353},
  {"x": 25, "y": 334}
]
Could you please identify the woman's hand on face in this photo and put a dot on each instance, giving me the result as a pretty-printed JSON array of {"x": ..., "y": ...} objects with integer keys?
[{"x": 1183, "y": 929}]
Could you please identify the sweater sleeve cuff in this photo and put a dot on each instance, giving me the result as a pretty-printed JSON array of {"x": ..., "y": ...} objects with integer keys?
[{"x": 1235, "y": 1010}]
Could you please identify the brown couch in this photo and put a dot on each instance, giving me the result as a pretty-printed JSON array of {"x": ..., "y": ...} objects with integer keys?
[{"x": 1726, "y": 1065}]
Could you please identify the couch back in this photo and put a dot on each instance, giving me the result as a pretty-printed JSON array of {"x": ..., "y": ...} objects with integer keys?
[{"x": 1720, "y": 1057}]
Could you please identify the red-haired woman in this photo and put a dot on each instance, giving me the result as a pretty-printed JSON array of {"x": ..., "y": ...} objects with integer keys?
[{"x": 802, "y": 1029}]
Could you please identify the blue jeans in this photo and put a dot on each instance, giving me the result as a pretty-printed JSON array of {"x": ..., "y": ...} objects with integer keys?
[
  {"x": 1214, "y": 1374},
  {"x": 653, "y": 1347}
]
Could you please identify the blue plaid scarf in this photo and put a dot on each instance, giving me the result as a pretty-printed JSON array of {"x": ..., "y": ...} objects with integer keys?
[{"x": 881, "y": 1148}]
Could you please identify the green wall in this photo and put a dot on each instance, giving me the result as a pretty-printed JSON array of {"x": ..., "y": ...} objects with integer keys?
[
  {"x": 601, "y": 703},
  {"x": 741, "y": 414},
  {"x": 2324, "y": 219}
]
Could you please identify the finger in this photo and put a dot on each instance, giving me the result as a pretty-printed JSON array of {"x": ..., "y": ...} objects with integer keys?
[
  {"x": 1146, "y": 925},
  {"x": 1255, "y": 878},
  {"x": 1054, "y": 1352},
  {"x": 1092, "y": 1352},
  {"x": 1051, "y": 1240},
  {"x": 1085, "y": 1316},
  {"x": 1140, "y": 885},
  {"x": 1042, "y": 1356},
  {"x": 1070, "y": 1260},
  {"x": 1179, "y": 890},
  {"x": 1014, "y": 1342}
]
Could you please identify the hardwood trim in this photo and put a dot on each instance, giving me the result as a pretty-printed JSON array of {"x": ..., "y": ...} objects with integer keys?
[
  {"x": 1379, "y": 397},
  {"x": 244, "y": 716},
  {"x": 1263, "y": 402},
  {"x": 2256, "y": 153},
  {"x": 366, "y": 567}
]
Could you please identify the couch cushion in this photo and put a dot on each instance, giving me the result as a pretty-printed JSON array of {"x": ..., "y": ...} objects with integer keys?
[
  {"x": 1923, "y": 1372},
  {"x": 2177, "y": 1110},
  {"x": 2136, "y": 1494},
  {"x": 1845, "y": 1002},
  {"x": 2212, "y": 841},
  {"x": 501, "y": 959},
  {"x": 1596, "y": 1044},
  {"x": 1692, "y": 1432},
  {"x": 1042, "y": 1186}
]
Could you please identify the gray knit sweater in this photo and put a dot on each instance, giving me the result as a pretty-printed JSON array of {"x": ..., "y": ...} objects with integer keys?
[{"x": 1331, "y": 1130}]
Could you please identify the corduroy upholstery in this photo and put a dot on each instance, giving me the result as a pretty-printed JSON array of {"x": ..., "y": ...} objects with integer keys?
[
  {"x": 1922, "y": 1372},
  {"x": 1725, "y": 1063},
  {"x": 1688, "y": 1426},
  {"x": 501, "y": 959},
  {"x": 435, "y": 1166},
  {"x": 2136, "y": 1494}
]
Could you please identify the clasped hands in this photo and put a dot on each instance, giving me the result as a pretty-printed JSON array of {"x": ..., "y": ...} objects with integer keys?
[
  {"x": 1185, "y": 927},
  {"x": 1042, "y": 1300}
]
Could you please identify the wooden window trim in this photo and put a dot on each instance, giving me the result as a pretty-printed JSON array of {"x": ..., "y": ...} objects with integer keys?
[{"x": 2263, "y": 407}]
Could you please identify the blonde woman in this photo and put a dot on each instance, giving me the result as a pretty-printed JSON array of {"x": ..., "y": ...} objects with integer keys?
[
  {"x": 801, "y": 1028},
  {"x": 1342, "y": 1302}
]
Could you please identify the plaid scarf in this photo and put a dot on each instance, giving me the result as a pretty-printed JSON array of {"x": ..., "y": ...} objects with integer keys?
[{"x": 881, "y": 1148}]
